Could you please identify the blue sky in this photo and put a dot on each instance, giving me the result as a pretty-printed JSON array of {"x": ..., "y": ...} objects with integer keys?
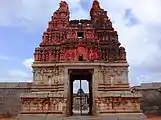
[{"x": 138, "y": 23}]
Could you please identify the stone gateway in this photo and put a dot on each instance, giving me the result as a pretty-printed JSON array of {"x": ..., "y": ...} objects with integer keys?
[{"x": 80, "y": 50}]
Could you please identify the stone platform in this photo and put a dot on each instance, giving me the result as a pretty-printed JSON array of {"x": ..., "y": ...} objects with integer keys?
[{"x": 121, "y": 116}]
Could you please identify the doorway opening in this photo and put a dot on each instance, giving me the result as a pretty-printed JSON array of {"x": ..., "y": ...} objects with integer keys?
[
  {"x": 81, "y": 92},
  {"x": 80, "y": 58},
  {"x": 80, "y": 35}
]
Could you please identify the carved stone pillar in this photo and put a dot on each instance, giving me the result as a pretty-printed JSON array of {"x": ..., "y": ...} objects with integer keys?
[
  {"x": 67, "y": 92},
  {"x": 95, "y": 90}
]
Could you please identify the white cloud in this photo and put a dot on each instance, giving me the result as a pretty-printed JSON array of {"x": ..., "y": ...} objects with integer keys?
[{"x": 28, "y": 62}]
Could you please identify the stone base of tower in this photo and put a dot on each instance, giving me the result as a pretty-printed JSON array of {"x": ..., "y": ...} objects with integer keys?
[
  {"x": 117, "y": 102},
  {"x": 119, "y": 105},
  {"x": 111, "y": 105},
  {"x": 39, "y": 103},
  {"x": 111, "y": 96}
]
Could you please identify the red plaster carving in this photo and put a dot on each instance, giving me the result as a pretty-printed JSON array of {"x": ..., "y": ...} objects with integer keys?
[
  {"x": 43, "y": 56},
  {"x": 73, "y": 34},
  {"x": 70, "y": 54},
  {"x": 90, "y": 35},
  {"x": 36, "y": 55},
  {"x": 100, "y": 42},
  {"x": 122, "y": 53},
  {"x": 45, "y": 38},
  {"x": 50, "y": 55},
  {"x": 57, "y": 56},
  {"x": 39, "y": 55},
  {"x": 62, "y": 54},
  {"x": 95, "y": 7},
  {"x": 94, "y": 54}
]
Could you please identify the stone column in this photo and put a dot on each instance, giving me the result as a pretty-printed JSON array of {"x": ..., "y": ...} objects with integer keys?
[
  {"x": 67, "y": 91},
  {"x": 94, "y": 90}
]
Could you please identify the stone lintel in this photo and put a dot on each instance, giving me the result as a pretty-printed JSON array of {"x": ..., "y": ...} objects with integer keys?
[
  {"x": 120, "y": 111},
  {"x": 47, "y": 88},
  {"x": 119, "y": 94},
  {"x": 79, "y": 64},
  {"x": 42, "y": 112},
  {"x": 114, "y": 86},
  {"x": 42, "y": 95}
]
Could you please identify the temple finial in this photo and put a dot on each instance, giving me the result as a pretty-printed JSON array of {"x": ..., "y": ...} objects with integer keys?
[
  {"x": 96, "y": 1},
  {"x": 95, "y": 7},
  {"x": 63, "y": 6},
  {"x": 96, "y": 4}
]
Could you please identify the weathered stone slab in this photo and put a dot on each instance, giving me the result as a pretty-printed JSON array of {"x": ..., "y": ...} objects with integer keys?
[
  {"x": 2, "y": 85},
  {"x": 124, "y": 116},
  {"x": 31, "y": 117},
  {"x": 39, "y": 117},
  {"x": 54, "y": 117},
  {"x": 82, "y": 118},
  {"x": 10, "y": 102},
  {"x": 150, "y": 85},
  {"x": 24, "y": 85},
  {"x": 119, "y": 94},
  {"x": 42, "y": 94},
  {"x": 11, "y": 85},
  {"x": 132, "y": 116},
  {"x": 80, "y": 64}
]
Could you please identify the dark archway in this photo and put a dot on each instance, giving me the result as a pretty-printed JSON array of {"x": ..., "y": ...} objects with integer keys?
[{"x": 81, "y": 74}]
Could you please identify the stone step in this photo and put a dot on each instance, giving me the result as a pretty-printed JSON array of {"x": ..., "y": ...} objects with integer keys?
[
  {"x": 103, "y": 117},
  {"x": 81, "y": 118}
]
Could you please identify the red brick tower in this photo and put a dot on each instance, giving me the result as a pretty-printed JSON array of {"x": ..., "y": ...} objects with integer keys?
[{"x": 66, "y": 41}]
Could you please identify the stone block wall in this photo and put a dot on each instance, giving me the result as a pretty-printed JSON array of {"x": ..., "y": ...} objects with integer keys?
[
  {"x": 151, "y": 98},
  {"x": 151, "y": 102},
  {"x": 10, "y": 103}
]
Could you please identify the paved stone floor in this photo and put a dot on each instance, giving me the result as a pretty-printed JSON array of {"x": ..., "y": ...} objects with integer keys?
[
  {"x": 132, "y": 116},
  {"x": 109, "y": 117},
  {"x": 149, "y": 118}
]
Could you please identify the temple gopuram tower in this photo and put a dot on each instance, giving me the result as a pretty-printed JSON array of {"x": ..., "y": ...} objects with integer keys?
[{"x": 81, "y": 49}]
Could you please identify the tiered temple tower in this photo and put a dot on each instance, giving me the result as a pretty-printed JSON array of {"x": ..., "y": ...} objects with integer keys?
[{"x": 87, "y": 49}]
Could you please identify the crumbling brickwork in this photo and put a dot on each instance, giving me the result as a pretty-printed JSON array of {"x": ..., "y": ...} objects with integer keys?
[{"x": 10, "y": 102}]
